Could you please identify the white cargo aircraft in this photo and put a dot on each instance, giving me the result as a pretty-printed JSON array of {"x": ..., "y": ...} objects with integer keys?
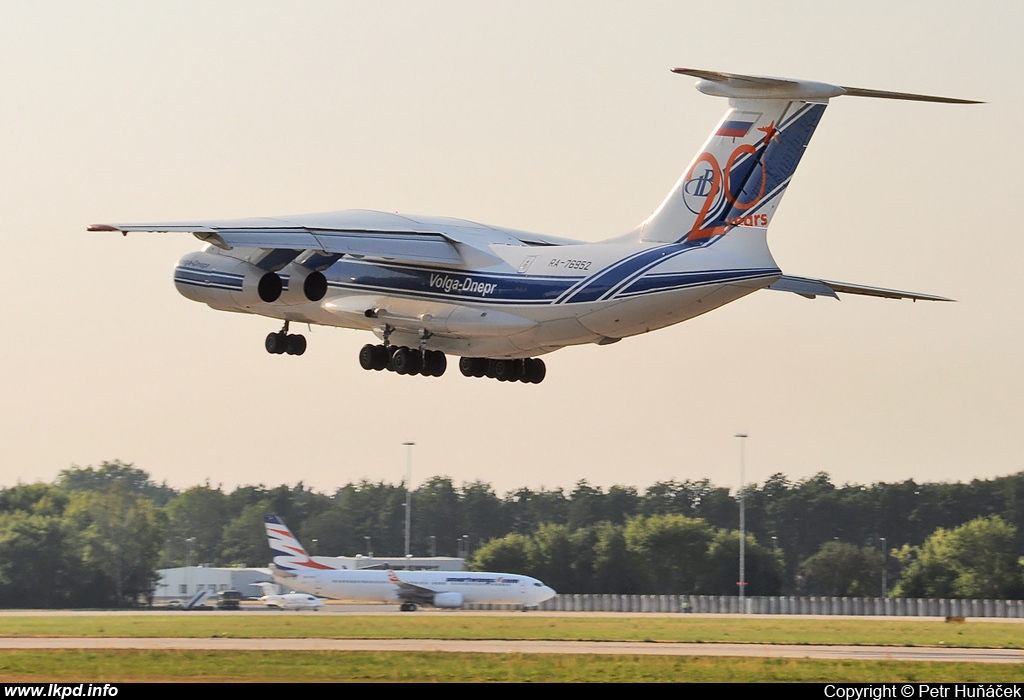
[
  {"x": 498, "y": 297},
  {"x": 294, "y": 568},
  {"x": 288, "y": 601}
]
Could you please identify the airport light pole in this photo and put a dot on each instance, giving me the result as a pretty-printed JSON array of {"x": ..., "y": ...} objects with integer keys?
[
  {"x": 743, "y": 527},
  {"x": 885, "y": 562},
  {"x": 408, "y": 495},
  {"x": 188, "y": 565}
]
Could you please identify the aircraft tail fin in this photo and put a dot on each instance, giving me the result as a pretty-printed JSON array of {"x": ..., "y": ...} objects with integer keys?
[
  {"x": 289, "y": 555},
  {"x": 267, "y": 587},
  {"x": 741, "y": 172}
]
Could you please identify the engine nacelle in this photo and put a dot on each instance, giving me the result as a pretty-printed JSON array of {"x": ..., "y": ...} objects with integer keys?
[
  {"x": 301, "y": 285},
  {"x": 224, "y": 282},
  {"x": 448, "y": 600}
]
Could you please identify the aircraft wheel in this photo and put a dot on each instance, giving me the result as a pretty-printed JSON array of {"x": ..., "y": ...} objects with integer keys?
[
  {"x": 466, "y": 366},
  {"x": 434, "y": 363},
  {"x": 408, "y": 607},
  {"x": 501, "y": 370},
  {"x": 416, "y": 362},
  {"x": 535, "y": 371},
  {"x": 518, "y": 370},
  {"x": 400, "y": 361},
  {"x": 276, "y": 343},
  {"x": 368, "y": 357},
  {"x": 295, "y": 344}
]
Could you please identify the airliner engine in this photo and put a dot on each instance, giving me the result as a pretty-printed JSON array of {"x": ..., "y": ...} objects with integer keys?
[
  {"x": 448, "y": 600},
  {"x": 302, "y": 285},
  {"x": 225, "y": 282}
]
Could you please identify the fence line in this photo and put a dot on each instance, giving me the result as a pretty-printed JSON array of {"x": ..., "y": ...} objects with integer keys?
[{"x": 776, "y": 605}]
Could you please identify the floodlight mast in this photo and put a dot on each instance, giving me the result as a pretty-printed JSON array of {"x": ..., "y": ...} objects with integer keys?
[
  {"x": 408, "y": 495},
  {"x": 743, "y": 527}
]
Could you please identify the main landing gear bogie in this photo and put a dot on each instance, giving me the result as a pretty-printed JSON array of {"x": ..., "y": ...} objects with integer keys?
[
  {"x": 529, "y": 371},
  {"x": 402, "y": 360},
  {"x": 284, "y": 342}
]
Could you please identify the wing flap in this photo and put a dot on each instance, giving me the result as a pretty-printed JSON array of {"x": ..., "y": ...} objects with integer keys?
[
  {"x": 428, "y": 247},
  {"x": 811, "y": 288}
]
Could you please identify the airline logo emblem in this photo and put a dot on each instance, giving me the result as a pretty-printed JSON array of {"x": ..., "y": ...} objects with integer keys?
[
  {"x": 702, "y": 184},
  {"x": 288, "y": 553}
]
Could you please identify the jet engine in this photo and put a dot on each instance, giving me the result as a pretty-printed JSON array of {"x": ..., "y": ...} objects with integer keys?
[
  {"x": 224, "y": 282},
  {"x": 302, "y": 285},
  {"x": 448, "y": 600}
]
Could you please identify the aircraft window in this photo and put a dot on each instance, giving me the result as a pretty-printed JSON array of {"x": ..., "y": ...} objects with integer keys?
[{"x": 537, "y": 585}]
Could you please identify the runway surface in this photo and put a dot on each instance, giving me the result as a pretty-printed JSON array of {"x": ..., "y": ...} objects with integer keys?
[{"x": 787, "y": 651}]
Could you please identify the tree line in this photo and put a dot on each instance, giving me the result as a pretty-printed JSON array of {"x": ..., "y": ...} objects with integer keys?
[{"x": 96, "y": 536}]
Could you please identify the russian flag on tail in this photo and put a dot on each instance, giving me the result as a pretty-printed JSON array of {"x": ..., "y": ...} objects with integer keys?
[{"x": 737, "y": 124}]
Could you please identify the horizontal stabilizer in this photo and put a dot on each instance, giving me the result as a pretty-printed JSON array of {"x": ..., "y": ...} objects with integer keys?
[
  {"x": 740, "y": 86},
  {"x": 811, "y": 288}
]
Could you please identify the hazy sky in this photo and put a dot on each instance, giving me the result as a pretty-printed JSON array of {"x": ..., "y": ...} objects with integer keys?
[{"x": 558, "y": 117}]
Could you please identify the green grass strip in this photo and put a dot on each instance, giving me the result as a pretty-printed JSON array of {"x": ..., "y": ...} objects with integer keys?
[
  {"x": 279, "y": 666},
  {"x": 765, "y": 630}
]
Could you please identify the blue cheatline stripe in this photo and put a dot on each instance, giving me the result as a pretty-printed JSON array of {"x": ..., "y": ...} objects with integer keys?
[
  {"x": 210, "y": 277},
  {"x": 668, "y": 282},
  {"x": 439, "y": 283},
  {"x": 609, "y": 275},
  {"x": 461, "y": 271},
  {"x": 604, "y": 285},
  {"x": 641, "y": 286},
  {"x": 211, "y": 285},
  {"x": 200, "y": 271}
]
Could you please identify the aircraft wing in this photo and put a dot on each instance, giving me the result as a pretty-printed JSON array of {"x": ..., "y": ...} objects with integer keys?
[
  {"x": 410, "y": 591},
  {"x": 414, "y": 244},
  {"x": 811, "y": 288}
]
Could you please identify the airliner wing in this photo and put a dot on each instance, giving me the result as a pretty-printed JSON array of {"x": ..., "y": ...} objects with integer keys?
[
  {"x": 412, "y": 245},
  {"x": 811, "y": 288},
  {"x": 410, "y": 591}
]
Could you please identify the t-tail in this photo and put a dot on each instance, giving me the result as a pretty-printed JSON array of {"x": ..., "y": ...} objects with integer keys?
[
  {"x": 740, "y": 174},
  {"x": 289, "y": 555}
]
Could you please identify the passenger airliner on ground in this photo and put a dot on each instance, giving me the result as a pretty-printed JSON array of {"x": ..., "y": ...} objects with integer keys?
[
  {"x": 499, "y": 297},
  {"x": 294, "y": 568}
]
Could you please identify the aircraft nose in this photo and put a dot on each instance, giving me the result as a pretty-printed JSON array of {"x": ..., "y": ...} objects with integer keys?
[{"x": 545, "y": 593}]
